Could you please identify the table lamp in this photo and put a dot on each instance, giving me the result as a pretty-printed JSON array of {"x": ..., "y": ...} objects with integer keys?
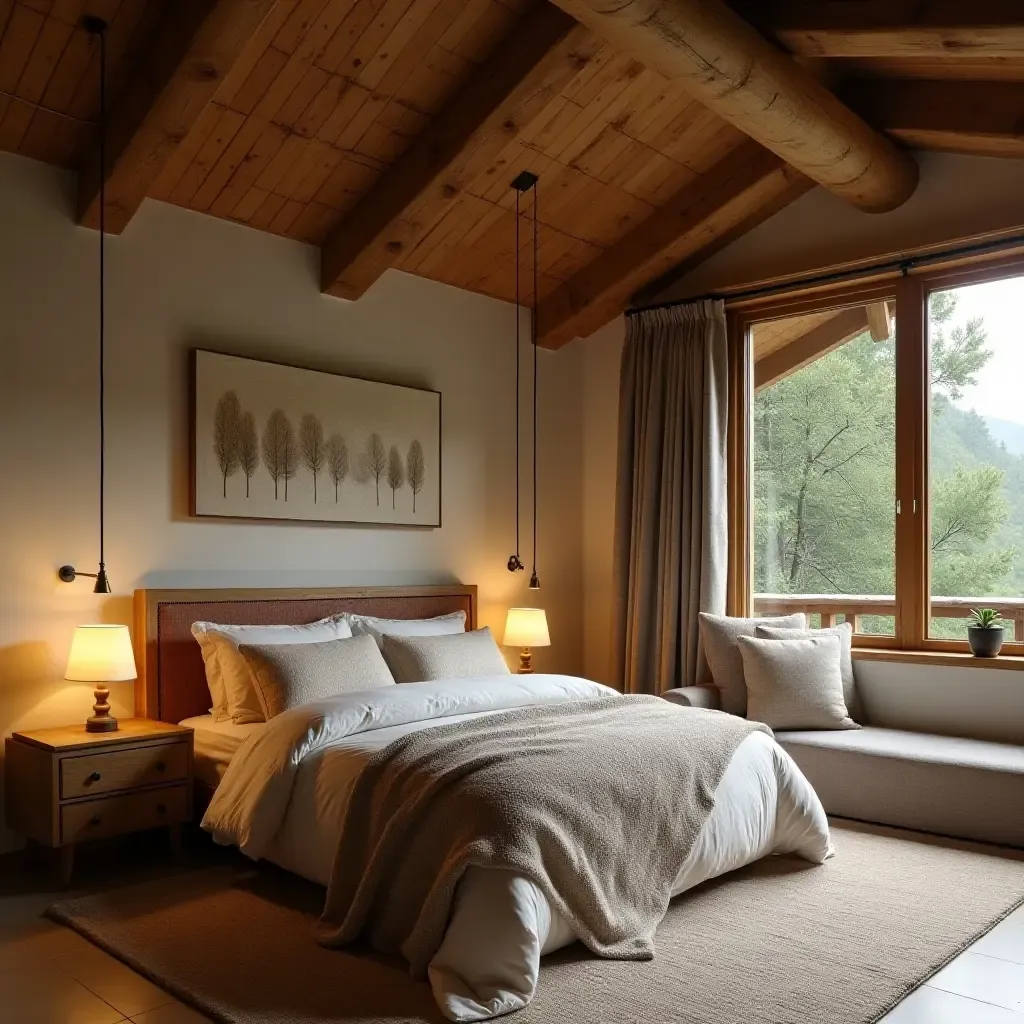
[
  {"x": 526, "y": 628},
  {"x": 101, "y": 655}
]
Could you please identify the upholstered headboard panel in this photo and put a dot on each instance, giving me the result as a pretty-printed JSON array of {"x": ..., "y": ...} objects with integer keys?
[{"x": 172, "y": 683}]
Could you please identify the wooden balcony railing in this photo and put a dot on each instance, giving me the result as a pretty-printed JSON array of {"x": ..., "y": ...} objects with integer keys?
[{"x": 851, "y": 607}]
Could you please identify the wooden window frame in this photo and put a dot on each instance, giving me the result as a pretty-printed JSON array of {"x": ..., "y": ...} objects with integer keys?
[{"x": 911, "y": 291}]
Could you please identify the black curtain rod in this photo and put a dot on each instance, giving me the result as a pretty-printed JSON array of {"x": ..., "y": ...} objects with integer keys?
[{"x": 904, "y": 265}]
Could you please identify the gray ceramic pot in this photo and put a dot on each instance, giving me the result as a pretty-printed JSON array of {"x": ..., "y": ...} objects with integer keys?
[{"x": 985, "y": 641}]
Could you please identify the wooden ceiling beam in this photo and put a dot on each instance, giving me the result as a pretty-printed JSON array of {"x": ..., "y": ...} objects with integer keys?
[
  {"x": 976, "y": 118},
  {"x": 744, "y": 188},
  {"x": 817, "y": 342},
  {"x": 538, "y": 59},
  {"x": 952, "y": 30},
  {"x": 723, "y": 62},
  {"x": 176, "y": 69}
]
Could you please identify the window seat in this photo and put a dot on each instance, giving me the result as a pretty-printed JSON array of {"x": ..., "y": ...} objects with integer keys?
[{"x": 971, "y": 789}]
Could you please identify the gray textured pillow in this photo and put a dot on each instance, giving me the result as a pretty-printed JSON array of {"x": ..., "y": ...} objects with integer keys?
[
  {"x": 287, "y": 676},
  {"x": 845, "y": 633},
  {"x": 419, "y": 659},
  {"x": 720, "y": 633},
  {"x": 795, "y": 684}
]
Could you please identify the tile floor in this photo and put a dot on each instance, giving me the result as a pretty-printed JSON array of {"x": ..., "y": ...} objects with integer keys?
[{"x": 50, "y": 975}]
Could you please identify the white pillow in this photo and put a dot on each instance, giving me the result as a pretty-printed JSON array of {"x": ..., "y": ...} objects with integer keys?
[
  {"x": 440, "y": 625},
  {"x": 719, "y": 634},
  {"x": 421, "y": 659},
  {"x": 845, "y": 633},
  {"x": 795, "y": 684},
  {"x": 290, "y": 675},
  {"x": 231, "y": 686}
]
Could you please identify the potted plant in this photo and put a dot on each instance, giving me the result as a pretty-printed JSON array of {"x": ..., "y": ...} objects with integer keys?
[{"x": 985, "y": 633}]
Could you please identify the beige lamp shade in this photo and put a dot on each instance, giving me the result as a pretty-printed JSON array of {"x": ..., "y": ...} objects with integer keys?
[
  {"x": 101, "y": 654},
  {"x": 527, "y": 627}
]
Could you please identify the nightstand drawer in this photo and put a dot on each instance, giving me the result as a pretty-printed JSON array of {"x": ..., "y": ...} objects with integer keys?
[
  {"x": 114, "y": 815},
  {"x": 112, "y": 770}
]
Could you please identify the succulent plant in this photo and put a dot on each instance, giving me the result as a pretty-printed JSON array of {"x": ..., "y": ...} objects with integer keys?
[{"x": 987, "y": 618}]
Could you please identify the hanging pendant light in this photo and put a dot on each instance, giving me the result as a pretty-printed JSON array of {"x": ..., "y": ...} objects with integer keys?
[
  {"x": 534, "y": 578},
  {"x": 98, "y": 27},
  {"x": 525, "y": 182}
]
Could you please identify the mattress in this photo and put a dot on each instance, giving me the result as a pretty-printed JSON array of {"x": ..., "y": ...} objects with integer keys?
[{"x": 215, "y": 743}]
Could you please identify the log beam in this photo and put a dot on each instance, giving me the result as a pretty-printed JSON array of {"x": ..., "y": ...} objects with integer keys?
[
  {"x": 539, "y": 58},
  {"x": 976, "y": 118},
  {"x": 744, "y": 188},
  {"x": 947, "y": 29},
  {"x": 177, "y": 68},
  {"x": 817, "y": 342},
  {"x": 733, "y": 70}
]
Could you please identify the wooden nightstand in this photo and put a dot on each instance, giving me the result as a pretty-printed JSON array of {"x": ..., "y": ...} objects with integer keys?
[{"x": 66, "y": 785}]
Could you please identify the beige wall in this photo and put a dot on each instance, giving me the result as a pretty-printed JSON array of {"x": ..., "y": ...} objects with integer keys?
[
  {"x": 600, "y": 354},
  {"x": 958, "y": 196},
  {"x": 179, "y": 279}
]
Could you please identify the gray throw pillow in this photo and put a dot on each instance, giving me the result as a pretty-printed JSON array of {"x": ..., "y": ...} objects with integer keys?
[
  {"x": 845, "y": 633},
  {"x": 288, "y": 676},
  {"x": 795, "y": 684},
  {"x": 720, "y": 634},
  {"x": 419, "y": 659}
]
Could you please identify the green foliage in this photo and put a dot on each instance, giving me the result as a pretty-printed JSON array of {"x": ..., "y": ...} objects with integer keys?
[
  {"x": 956, "y": 358},
  {"x": 824, "y": 476}
]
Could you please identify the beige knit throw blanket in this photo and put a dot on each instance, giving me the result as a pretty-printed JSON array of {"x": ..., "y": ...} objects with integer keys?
[{"x": 597, "y": 802}]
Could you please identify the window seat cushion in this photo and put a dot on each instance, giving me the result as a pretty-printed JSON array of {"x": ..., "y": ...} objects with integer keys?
[{"x": 972, "y": 789}]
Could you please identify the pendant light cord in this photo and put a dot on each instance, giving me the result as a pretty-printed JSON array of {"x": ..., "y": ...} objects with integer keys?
[
  {"x": 517, "y": 374},
  {"x": 103, "y": 213},
  {"x": 534, "y": 333}
]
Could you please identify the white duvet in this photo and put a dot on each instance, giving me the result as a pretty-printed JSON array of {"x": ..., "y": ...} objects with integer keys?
[{"x": 284, "y": 795}]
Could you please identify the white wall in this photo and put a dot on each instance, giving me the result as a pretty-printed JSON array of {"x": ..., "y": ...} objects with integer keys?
[
  {"x": 177, "y": 280},
  {"x": 958, "y": 196}
]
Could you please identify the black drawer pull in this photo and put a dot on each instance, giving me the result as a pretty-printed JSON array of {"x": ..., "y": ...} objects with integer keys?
[
  {"x": 95, "y": 820},
  {"x": 160, "y": 766},
  {"x": 161, "y": 808},
  {"x": 95, "y": 777}
]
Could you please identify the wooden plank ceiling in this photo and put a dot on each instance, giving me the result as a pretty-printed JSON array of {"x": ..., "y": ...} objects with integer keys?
[{"x": 387, "y": 131}]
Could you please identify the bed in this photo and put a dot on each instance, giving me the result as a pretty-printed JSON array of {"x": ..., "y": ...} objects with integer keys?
[{"x": 501, "y": 924}]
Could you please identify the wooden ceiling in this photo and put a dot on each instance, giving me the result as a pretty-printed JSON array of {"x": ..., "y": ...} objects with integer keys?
[{"x": 387, "y": 131}]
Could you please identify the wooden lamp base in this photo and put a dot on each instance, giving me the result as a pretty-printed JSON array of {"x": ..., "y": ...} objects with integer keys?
[
  {"x": 102, "y": 720},
  {"x": 525, "y": 661}
]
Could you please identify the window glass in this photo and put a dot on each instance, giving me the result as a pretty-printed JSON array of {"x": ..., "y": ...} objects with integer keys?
[
  {"x": 976, "y": 458},
  {"x": 823, "y": 473}
]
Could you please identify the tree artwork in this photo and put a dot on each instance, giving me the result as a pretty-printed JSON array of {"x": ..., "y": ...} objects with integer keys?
[
  {"x": 248, "y": 448},
  {"x": 295, "y": 434},
  {"x": 337, "y": 461},
  {"x": 416, "y": 470},
  {"x": 376, "y": 460},
  {"x": 311, "y": 443},
  {"x": 280, "y": 452},
  {"x": 396, "y": 472},
  {"x": 226, "y": 420}
]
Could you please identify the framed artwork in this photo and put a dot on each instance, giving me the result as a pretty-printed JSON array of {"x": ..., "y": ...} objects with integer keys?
[{"x": 280, "y": 442}]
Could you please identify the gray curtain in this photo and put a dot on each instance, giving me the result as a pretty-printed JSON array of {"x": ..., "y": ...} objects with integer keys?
[{"x": 671, "y": 514}]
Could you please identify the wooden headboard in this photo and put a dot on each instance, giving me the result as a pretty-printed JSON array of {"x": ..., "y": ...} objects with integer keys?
[{"x": 172, "y": 682}]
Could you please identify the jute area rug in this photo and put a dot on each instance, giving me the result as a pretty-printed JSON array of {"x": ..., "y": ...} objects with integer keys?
[{"x": 781, "y": 942}]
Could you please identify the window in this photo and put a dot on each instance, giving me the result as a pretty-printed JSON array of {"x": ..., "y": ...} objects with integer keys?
[
  {"x": 878, "y": 456},
  {"x": 976, "y": 454},
  {"x": 823, "y": 464}
]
